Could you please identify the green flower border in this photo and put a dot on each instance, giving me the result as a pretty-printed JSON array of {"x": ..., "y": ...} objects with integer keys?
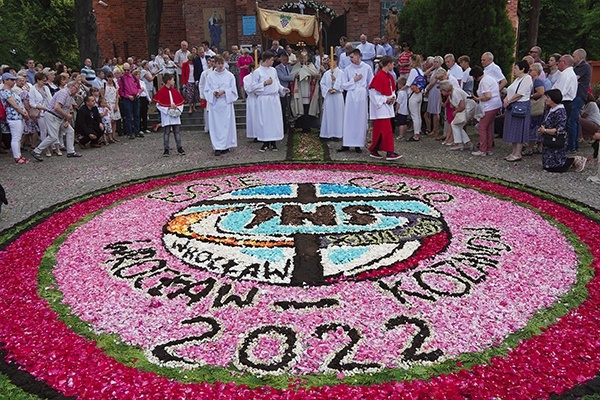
[{"x": 134, "y": 356}]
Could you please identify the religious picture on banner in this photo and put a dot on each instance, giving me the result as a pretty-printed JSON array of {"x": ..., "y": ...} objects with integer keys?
[
  {"x": 389, "y": 18},
  {"x": 214, "y": 24}
]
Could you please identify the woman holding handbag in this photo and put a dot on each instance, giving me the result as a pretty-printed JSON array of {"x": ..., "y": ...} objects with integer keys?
[
  {"x": 554, "y": 136},
  {"x": 518, "y": 118}
]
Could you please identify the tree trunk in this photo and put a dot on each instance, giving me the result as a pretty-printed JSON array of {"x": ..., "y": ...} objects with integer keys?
[
  {"x": 534, "y": 24},
  {"x": 85, "y": 22},
  {"x": 153, "y": 16}
]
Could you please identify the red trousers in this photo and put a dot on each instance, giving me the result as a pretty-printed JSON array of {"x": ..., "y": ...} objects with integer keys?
[{"x": 383, "y": 136}]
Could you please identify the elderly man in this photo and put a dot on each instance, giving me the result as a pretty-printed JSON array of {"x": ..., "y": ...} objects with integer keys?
[
  {"x": 129, "y": 91},
  {"x": 583, "y": 71},
  {"x": 566, "y": 83},
  {"x": 277, "y": 50},
  {"x": 492, "y": 69},
  {"x": 536, "y": 53},
  {"x": 57, "y": 120},
  {"x": 367, "y": 50},
  {"x": 181, "y": 56},
  {"x": 453, "y": 68},
  {"x": 88, "y": 124}
]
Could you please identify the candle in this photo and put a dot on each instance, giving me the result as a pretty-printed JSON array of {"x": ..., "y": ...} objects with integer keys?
[
  {"x": 255, "y": 58},
  {"x": 331, "y": 58}
]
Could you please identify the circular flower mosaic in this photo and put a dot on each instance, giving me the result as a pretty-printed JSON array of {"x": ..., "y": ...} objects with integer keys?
[{"x": 306, "y": 280}]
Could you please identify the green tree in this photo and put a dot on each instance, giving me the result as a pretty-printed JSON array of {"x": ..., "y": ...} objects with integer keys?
[
  {"x": 471, "y": 27},
  {"x": 563, "y": 27}
]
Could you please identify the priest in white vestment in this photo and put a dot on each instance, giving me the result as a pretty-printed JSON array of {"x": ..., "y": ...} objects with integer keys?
[
  {"x": 305, "y": 94},
  {"x": 268, "y": 89},
  {"x": 251, "y": 103},
  {"x": 333, "y": 102},
  {"x": 356, "y": 81},
  {"x": 220, "y": 92}
]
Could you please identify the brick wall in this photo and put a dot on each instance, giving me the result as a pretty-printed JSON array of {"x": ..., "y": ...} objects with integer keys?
[{"x": 122, "y": 28}]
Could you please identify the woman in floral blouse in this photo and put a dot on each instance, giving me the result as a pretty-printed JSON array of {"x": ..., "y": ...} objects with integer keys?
[
  {"x": 554, "y": 159},
  {"x": 15, "y": 111}
]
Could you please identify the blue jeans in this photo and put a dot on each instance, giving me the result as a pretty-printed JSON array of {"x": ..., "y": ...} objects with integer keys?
[
  {"x": 131, "y": 110},
  {"x": 573, "y": 124}
]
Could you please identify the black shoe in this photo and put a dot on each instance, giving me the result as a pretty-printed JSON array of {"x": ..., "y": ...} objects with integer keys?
[
  {"x": 166, "y": 153},
  {"x": 139, "y": 135},
  {"x": 358, "y": 150},
  {"x": 264, "y": 148},
  {"x": 273, "y": 148},
  {"x": 225, "y": 151},
  {"x": 344, "y": 148},
  {"x": 35, "y": 155},
  {"x": 73, "y": 155},
  {"x": 218, "y": 152},
  {"x": 181, "y": 151}
]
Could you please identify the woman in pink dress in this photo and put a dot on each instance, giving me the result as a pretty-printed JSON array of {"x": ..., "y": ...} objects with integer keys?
[{"x": 243, "y": 62}]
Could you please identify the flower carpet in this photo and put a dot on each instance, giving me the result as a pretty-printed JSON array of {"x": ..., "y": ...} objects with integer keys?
[{"x": 305, "y": 281}]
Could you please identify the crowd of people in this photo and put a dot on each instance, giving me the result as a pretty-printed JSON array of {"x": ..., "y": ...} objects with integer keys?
[{"x": 545, "y": 108}]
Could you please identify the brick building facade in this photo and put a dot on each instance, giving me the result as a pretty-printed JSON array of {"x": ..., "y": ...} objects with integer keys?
[{"x": 122, "y": 28}]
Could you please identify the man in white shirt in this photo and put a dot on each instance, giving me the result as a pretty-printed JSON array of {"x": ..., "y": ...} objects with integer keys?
[
  {"x": 491, "y": 69},
  {"x": 367, "y": 50},
  {"x": 207, "y": 51},
  {"x": 567, "y": 84},
  {"x": 345, "y": 57},
  {"x": 453, "y": 68},
  {"x": 467, "y": 80},
  {"x": 181, "y": 56}
]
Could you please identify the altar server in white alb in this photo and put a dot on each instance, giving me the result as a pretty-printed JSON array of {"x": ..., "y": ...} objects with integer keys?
[
  {"x": 269, "y": 121},
  {"x": 220, "y": 92},
  {"x": 333, "y": 101},
  {"x": 251, "y": 100},
  {"x": 356, "y": 81},
  {"x": 201, "y": 85}
]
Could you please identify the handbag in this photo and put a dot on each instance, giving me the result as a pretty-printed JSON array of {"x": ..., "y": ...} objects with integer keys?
[
  {"x": 555, "y": 141},
  {"x": 519, "y": 109},
  {"x": 173, "y": 112},
  {"x": 34, "y": 112},
  {"x": 538, "y": 106}
]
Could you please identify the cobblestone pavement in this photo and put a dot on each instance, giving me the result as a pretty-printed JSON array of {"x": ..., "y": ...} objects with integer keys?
[{"x": 33, "y": 187}]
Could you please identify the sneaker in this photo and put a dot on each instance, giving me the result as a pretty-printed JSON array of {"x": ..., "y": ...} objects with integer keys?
[
  {"x": 264, "y": 148},
  {"x": 166, "y": 153},
  {"x": 489, "y": 153},
  {"x": 479, "y": 153},
  {"x": 73, "y": 155},
  {"x": 375, "y": 154},
  {"x": 37, "y": 156},
  {"x": 358, "y": 150},
  {"x": 147, "y": 131},
  {"x": 392, "y": 156},
  {"x": 140, "y": 134},
  {"x": 181, "y": 151},
  {"x": 581, "y": 163},
  {"x": 274, "y": 147},
  {"x": 219, "y": 152}
]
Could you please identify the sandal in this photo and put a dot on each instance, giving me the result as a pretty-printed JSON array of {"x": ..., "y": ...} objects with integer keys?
[
  {"x": 21, "y": 160},
  {"x": 412, "y": 139}
]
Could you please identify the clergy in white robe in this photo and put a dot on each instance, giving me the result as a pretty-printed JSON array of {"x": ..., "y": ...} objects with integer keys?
[
  {"x": 251, "y": 104},
  {"x": 268, "y": 89},
  {"x": 220, "y": 92},
  {"x": 305, "y": 94},
  {"x": 356, "y": 81},
  {"x": 201, "y": 85},
  {"x": 333, "y": 104}
]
